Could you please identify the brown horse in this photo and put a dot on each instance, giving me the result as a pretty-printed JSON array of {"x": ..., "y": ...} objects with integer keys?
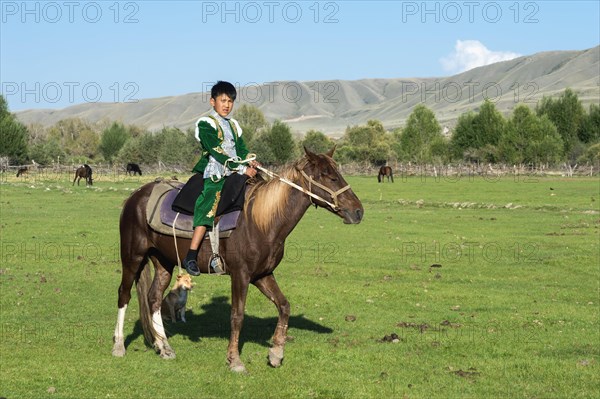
[
  {"x": 84, "y": 172},
  {"x": 251, "y": 254},
  {"x": 383, "y": 172}
]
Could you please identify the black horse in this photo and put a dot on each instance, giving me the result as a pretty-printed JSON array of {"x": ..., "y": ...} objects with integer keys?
[
  {"x": 383, "y": 172},
  {"x": 22, "y": 171},
  {"x": 84, "y": 172},
  {"x": 133, "y": 168}
]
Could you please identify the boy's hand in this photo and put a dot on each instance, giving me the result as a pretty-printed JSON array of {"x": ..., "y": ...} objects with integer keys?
[{"x": 251, "y": 172}]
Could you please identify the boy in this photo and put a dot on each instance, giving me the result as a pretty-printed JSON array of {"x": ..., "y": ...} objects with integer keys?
[{"x": 220, "y": 139}]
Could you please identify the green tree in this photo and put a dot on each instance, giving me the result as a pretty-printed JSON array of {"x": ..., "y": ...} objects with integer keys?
[
  {"x": 281, "y": 142},
  {"x": 439, "y": 149},
  {"x": 368, "y": 143},
  {"x": 263, "y": 150},
  {"x": 422, "y": 128},
  {"x": 591, "y": 155},
  {"x": 476, "y": 135},
  {"x": 76, "y": 137},
  {"x": 47, "y": 151},
  {"x": 86, "y": 144},
  {"x": 530, "y": 139},
  {"x": 131, "y": 152},
  {"x": 589, "y": 129},
  {"x": 276, "y": 145},
  {"x": 170, "y": 146},
  {"x": 13, "y": 135},
  {"x": 175, "y": 148},
  {"x": 489, "y": 123},
  {"x": 316, "y": 142},
  {"x": 464, "y": 137},
  {"x": 113, "y": 138},
  {"x": 566, "y": 113},
  {"x": 251, "y": 120}
]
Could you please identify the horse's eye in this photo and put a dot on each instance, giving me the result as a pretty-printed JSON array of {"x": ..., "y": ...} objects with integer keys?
[{"x": 329, "y": 176}]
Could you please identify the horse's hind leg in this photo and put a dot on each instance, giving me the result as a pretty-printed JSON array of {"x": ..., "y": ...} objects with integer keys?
[
  {"x": 130, "y": 271},
  {"x": 268, "y": 286},
  {"x": 162, "y": 279}
]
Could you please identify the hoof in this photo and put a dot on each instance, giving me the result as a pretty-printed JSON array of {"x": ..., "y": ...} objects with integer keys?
[
  {"x": 238, "y": 367},
  {"x": 118, "y": 349},
  {"x": 275, "y": 357},
  {"x": 167, "y": 353}
]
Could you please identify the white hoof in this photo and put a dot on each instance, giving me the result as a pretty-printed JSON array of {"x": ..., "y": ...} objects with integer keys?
[
  {"x": 118, "y": 349},
  {"x": 118, "y": 352},
  {"x": 275, "y": 357}
]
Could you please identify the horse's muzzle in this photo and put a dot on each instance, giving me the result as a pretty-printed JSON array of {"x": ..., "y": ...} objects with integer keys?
[{"x": 353, "y": 217}]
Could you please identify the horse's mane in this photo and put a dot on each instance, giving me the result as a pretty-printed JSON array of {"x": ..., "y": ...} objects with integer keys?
[{"x": 270, "y": 197}]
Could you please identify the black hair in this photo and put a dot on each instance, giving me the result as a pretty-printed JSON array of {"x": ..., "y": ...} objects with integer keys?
[{"x": 222, "y": 87}]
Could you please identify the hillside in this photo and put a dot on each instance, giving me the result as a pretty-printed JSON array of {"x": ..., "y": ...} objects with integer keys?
[{"x": 330, "y": 106}]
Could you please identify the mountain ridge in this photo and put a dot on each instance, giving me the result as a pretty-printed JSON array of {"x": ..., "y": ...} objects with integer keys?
[{"x": 330, "y": 106}]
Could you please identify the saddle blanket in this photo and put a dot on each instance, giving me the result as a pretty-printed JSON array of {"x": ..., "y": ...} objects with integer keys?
[{"x": 162, "y": 218}]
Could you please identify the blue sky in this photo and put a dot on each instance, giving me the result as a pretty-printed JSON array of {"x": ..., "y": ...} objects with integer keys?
[{"x": 62, "y": 53}]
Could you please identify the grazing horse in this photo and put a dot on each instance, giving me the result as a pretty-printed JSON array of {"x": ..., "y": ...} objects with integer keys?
[
  {"x": 385, "y": 171},
  {"x": 22, "y": 171},
  {"x": 84, "y": 172},
  {"x": 133, "y": 168},
  {"x": 272, "y": 209}
]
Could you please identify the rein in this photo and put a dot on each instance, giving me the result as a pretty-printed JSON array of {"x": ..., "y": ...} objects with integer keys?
[{"x": 311, "y": 181}]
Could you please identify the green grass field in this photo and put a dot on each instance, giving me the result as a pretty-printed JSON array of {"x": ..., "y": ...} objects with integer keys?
[{"x": 491, "y": 287}]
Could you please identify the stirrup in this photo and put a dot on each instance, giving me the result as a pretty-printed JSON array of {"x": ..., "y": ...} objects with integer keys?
[{"x": 216, "y": 264}]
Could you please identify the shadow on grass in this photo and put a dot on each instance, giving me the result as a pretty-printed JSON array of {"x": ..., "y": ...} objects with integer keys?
[{"x": 214, "y": 322}]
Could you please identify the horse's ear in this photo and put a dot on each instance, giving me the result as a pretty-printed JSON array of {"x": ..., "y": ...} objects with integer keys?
[
  {"x": 330, "y": 152},
  {"x": 309, "y": 154}
]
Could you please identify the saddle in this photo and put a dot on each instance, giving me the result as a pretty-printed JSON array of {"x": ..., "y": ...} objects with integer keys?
[{"x": 171, "y": 204}]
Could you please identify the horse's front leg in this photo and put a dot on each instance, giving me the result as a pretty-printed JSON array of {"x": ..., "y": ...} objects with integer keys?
[
  {"x": 239, "y": 291},
  {"x": 268, "y": 286}
]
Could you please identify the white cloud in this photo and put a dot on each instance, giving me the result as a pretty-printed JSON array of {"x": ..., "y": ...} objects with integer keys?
[{"x": 469, "y": 54}]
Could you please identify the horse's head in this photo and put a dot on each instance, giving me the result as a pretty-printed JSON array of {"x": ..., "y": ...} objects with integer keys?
[{"x": 323, "y": 178}]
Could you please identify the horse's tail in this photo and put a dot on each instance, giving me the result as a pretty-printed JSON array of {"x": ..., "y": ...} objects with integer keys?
[
  {"x": 143, "y": 288},
  {"x": 379, "y": 177}
]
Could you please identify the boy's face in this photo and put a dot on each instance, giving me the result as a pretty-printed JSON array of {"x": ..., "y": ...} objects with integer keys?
[{"x": 223, "y": 104}]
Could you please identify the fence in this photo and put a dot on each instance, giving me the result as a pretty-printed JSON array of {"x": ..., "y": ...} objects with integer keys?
[
  {"x": 457, "y": 170},
  {"x": 109, "y": 172}
]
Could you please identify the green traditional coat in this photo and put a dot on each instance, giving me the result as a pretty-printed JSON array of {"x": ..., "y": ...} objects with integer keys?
[{"x": 211, "y": 137}]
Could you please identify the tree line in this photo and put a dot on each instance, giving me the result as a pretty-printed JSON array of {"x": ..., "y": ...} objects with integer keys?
[{"x": 556, "y": 131}]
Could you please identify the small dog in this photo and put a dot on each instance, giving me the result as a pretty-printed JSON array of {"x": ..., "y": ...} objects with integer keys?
[{"x": 175, "y": 301}]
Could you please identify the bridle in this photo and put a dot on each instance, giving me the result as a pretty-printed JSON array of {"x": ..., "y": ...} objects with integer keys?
[{"x": 334, "y": 194}]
